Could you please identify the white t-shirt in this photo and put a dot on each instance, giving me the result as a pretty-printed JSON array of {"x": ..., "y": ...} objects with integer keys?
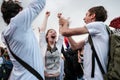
[
  {"x": 100, "y": 38},
  {"x": 23, "y": 43}
]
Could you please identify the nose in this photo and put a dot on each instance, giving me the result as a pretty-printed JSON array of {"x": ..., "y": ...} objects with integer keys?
[
  {"x": 84, "y": 18},
  {"x": 54, "y": 32}
]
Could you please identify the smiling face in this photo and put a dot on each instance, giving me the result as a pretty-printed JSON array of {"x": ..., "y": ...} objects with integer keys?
[{"x": 51, "y": 35}]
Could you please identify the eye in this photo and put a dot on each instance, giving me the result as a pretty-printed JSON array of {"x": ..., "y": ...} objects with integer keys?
[{"x": 50, "y": 31}]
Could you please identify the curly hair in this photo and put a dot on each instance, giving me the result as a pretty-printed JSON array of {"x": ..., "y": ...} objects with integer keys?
[
  {"x": 100, "y": 12},
  {"x": 10, "y": 9}
]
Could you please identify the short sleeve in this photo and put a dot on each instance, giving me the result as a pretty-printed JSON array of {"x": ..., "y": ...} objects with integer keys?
[{"x": 94, "y": 27}]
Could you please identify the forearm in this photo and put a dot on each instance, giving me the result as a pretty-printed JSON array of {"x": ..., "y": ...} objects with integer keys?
[
  {"x": 34, "y": 8},
  {"x": 65, "y": 31},
  {"x": 59, "y": 42},
  {"x": 37, "y": 5},
  {"x": 44, "y": 24},
  {"x": 27, "y": 15},
  {"x": 72, "y": 43},
  {"x": 75, "y": 45}
]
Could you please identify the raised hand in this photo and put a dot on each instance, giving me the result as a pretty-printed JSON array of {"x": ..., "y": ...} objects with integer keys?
[
  {"x": 63, "y": 21},
  {"x": 59, "y": 15},
  {"x": 47, "y": 14}
]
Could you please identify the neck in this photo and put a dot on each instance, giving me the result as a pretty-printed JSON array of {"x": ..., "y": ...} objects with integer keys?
[{"x": 51, "y": 43}]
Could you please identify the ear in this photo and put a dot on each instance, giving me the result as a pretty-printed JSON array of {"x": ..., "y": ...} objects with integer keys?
[{"x": 93, "y": 15}]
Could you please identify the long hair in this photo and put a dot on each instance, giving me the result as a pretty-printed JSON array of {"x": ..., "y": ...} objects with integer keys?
[
  {"x": 48, "y": 46},
  {"x": 10, "y": 9},
  {"x": 100, "y": 13}
]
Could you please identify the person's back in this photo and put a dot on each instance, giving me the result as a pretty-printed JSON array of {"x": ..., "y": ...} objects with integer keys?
[{"x": 21, "y": 39}]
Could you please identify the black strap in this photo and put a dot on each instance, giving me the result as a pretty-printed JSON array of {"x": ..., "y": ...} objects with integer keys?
[
  {"x": 94, "y": 55},
  {"x": 28, "y": 67},
  {"x": 110, "y": 32},
  {"x": 93, "y": 65}
]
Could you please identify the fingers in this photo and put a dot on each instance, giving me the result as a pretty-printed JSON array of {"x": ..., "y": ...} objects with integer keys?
[
  {"x": 47, "y": 13},
  {"x": 59, "y": 15},
  {"x": 80, "y": 59},
  {"x": 63, "y": 21}
]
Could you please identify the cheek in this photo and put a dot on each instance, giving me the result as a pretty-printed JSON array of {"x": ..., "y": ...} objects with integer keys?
[
  {"x": 88, "y": 20},
  {"x": 47, "y": 36}
]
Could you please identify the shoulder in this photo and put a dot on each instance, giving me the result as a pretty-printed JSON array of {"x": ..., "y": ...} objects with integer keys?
[
  {"x": 93, "y": 24},
  {"x": 96, "y": 27}
]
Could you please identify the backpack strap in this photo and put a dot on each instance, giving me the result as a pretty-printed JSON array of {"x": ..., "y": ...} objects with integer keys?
[
  {"x": 110, "y": 32},
  {"x": 24, "y": 64},
  {"x": 94, "y": 56}
]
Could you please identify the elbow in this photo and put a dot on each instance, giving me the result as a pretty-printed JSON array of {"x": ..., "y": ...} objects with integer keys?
[{"x": 74, "y": 46}]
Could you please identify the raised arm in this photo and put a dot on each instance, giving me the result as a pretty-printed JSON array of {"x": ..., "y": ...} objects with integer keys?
[
  {"x": 27, "y": 15},
  {"x": 60, "y": 38},
  {"x": 44, "y": 24}
]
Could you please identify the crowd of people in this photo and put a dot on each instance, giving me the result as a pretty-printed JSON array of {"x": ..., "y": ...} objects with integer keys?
[{"x": 45, "y": 56}]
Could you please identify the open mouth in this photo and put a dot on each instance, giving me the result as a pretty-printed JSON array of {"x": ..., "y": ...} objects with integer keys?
[{"x": 53, "y": 37}]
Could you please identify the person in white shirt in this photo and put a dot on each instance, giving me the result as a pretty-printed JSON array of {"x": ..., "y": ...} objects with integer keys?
[
  {"x": 51, "y": 50},
  {"x": 21, "y": 38},
  {"x": 96, "y": 28}
]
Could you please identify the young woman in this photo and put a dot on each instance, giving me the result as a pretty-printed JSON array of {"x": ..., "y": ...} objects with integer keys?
[{"x": 51, "y": 50}]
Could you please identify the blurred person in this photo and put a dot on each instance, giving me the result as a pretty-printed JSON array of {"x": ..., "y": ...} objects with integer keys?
[
  {"x": 95, "y": 27},
  {"x": 51, "y": 50},
  {"x": 21, "y": 39},
  {"x": 6, "y": 54},
  {"x": 1, "y": 54},
  {"x": 72, "y": 68},
  {"x": 115, "y": 23}
]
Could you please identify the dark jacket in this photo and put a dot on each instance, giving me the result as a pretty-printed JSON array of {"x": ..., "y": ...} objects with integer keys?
[{"x": 72, "y": 68}]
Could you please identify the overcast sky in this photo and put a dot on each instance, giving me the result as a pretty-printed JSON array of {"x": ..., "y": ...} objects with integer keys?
[{"x": 75, "y": 9}]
